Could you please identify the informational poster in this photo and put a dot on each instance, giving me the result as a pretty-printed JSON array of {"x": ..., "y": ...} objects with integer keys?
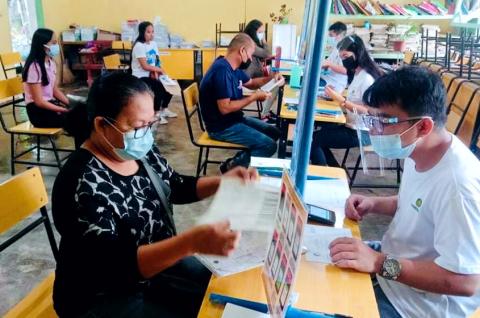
[{"x": 283, "y": 257}]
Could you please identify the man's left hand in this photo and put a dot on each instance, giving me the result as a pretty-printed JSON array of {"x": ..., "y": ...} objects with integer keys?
[
  {"x": 249, "y": 174},
  {"x": 348, "y": 252}
]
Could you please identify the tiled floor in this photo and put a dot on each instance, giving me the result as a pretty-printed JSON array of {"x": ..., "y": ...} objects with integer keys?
[{"x": 28, "y": 261}]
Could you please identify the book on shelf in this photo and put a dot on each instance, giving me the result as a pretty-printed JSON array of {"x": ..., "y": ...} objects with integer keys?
[{"x": 372, "y": 7}]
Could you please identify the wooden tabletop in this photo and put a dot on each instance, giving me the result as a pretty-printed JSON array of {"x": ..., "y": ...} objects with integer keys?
[
  {"x": 323, "y": 288},
  {"x": 321, "y": 104}
]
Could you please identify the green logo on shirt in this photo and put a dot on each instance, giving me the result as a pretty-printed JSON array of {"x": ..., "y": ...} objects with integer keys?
[{"x": 417, "y": 205}]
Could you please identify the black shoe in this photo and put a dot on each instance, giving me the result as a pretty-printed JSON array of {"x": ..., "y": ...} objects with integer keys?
[{"x": 226, "y": 166}]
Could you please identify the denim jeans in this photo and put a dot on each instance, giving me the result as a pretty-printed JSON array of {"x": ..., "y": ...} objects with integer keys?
[{"x": 260, "y": 138}]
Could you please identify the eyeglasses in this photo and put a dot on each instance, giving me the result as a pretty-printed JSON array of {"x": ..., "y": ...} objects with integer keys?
[
  {"x": 136, "y": 133},
  {"x": 378, "y": 123}
]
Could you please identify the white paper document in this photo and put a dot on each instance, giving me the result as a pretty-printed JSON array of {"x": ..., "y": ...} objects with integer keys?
[
  {"x": 250, "y": 253},
  {"x": 249, "y": 206},
  {"x": 261, "y": 162},
  {"x": 271, "y": 85},
  {"x": 234, "y": 311},
  {"x": 291, "y": 100},
  {"x": 170, "y": 85},
  {"x": 318, "y": 238},
  {"x": 328, "y": 194}
]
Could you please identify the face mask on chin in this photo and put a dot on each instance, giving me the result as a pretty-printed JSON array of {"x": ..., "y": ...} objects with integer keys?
[
  {"x": 245, "y": 64},
  {"x": 390, "y": 146}
]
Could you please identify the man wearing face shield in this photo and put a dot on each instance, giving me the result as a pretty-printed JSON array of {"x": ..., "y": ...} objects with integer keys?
[
  {"x": 222, "y": 101},
  {"x": 428, "y": 263}
]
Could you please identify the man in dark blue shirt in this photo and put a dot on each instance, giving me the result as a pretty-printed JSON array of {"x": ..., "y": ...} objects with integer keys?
[{"x": 222, "y": 101}]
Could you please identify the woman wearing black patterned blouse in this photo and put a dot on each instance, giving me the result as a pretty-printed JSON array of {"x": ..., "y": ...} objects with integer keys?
[{"x": 119, "y": 255}]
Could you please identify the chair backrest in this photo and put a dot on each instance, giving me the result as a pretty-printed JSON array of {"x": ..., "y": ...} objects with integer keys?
[
  {"x": 121, "y": 45},
  {"x": 408, "y": 57},
  {"x": 112, "y": 62},
  {"x": 21, "y": 196},
  {"x": 191, "y": 106},
  {"x": 462, "y": 112},
  {"x": 11, "y": 87},
  {"x": 11, "y": 61},
  {"x": 454, "y": 87}
]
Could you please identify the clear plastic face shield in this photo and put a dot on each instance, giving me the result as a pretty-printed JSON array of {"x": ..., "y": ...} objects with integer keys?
[
  {"x": 384, "y": 143},
  {"x": 369, "y": 159}
]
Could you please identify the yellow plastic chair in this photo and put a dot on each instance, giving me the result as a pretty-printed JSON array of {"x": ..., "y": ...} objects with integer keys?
[
  {"x": 463, "y": 111},
  {"x": 8, "y": 89},
  {"x": 22, "y": 196},
  {"x": 190, "y": 98},
  {"x": 11, "y": 61},
  {"x": 123, "y": 47},
  {"x": 113, "y": 63}
]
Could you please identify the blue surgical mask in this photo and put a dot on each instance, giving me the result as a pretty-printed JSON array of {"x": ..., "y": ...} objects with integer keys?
[
  {"x": 261, "y": 36},
  {"x": 134, "y": 148},
  {"x": 53, "y": 50},
  {"x": 390, "y": 146}
]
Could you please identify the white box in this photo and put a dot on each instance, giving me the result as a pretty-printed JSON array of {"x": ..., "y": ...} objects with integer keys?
[{"x": 284, "y": 35}]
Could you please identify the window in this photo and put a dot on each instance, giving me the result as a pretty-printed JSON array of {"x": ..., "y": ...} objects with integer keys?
[{"x": 23, "y": 22}]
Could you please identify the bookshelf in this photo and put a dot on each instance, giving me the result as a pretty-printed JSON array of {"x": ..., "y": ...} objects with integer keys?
[{"x": 362, "y": 17}]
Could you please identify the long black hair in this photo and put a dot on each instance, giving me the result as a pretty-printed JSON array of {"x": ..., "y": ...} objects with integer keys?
[
  {"x": 37, "y": 53},
  {"x": 353, "y": 43},
  {"x": 251, "y": 29},
  {"x": 142, "y": 28}
]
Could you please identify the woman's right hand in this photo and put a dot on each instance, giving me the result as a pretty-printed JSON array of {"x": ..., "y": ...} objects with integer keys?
[
  {"x": 357, "y": 206},
  {"x": 215, "y": 239}
]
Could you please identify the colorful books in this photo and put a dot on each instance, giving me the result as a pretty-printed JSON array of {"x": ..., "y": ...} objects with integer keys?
[{"x": 372, "y": 7}]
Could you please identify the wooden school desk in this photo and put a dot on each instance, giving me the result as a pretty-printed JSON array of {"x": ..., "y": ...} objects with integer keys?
[
  {"x": 288, "y": 117},
  {"x": 321, "y": 287}
]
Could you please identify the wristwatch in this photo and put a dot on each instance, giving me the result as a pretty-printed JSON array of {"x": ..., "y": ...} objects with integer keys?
[{"x": 391, "y": 268}]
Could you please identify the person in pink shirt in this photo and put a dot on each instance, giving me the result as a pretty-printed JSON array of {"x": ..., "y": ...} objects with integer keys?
[{"x": 46, "y": 104}]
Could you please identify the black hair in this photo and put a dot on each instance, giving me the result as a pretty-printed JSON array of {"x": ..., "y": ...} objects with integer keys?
[
  {"x": 110, "y": 93},
  {"x": 416, "y": 90},
  {"x": 338, "y": 27},
  {"x": 251, "y": 29},
  {"x": 142, "y": 28},
  {"x": 353, "y": 43},
  {"x": 37, "y": 54}
]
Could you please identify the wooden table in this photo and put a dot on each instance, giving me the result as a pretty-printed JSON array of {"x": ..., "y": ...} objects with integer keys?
[
  {"x": 323, "y": 288},
  {"x": 288, "y": 117}
]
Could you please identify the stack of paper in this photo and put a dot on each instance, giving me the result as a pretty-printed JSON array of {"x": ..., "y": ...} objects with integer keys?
[{"x": 379, "y": 36}]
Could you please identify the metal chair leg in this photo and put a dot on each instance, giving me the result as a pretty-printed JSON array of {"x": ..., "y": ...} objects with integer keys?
[
  {"x": 55, "y": 152},
  {"x": 345, "y": 157},
  {"x": 206, "y": 161},
  {"x": 12, "y": 154},
  {"x": 355, "y": 170},
  {"x": 199, "y": 162},
  {"x": 38, "y": 148}
]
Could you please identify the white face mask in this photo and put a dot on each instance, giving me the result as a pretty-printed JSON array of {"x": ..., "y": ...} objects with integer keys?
[{"x": 261, "y": 36}]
